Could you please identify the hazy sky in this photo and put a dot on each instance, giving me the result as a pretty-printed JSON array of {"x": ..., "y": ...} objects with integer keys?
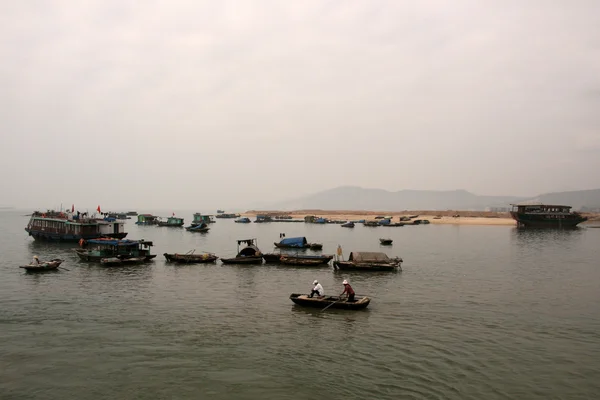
[{"x": 204, "y": 104}]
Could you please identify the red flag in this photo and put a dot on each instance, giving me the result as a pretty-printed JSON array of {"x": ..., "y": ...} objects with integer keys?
[
  {"x": 98, "y": 209},
  {"x": 173, "y": 214},
  {"x": 73, "y": 208}
]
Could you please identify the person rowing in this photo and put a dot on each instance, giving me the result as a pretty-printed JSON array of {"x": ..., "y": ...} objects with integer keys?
[{"x": 348, "y": 291}]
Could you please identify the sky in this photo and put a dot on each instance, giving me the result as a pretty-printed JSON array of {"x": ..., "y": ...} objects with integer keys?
[{"x": 206, "y": 104}]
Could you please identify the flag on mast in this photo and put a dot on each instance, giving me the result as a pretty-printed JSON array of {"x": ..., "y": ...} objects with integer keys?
[
  {"x": 73, "y": 208},
  {"x": 99, "y": 209}
]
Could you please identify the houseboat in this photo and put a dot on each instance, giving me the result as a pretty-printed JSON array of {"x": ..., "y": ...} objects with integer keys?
[
  {"x": 171, "y": 222},
  {"x": 263, "y": 218},
  {"x": 98, "y": 249},
  {"x": 545, "y": 216},
  {"x": 146, "y": 219},
  {"x": 199, "y": 218},
  {"x": 69, "y": 227},
  {"x": 227, "y": 215}
]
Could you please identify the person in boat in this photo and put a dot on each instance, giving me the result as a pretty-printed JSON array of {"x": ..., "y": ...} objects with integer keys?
[
  {"x": 36, "y": 260},
  {"x": 348, "y": 291},
  {"x": 317, "y": 289}
]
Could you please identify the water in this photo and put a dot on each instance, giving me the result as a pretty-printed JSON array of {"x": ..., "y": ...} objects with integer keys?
[{"x": 478, "y": 312}]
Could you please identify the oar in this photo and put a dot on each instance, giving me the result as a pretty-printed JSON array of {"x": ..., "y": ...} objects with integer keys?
[{"x": 331, "y": 304}]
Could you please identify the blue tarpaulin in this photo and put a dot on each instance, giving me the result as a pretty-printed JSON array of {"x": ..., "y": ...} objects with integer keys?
[{"x": 294, "y": 242}]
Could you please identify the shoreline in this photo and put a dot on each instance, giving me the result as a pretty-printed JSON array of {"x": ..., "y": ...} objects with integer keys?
[{"x": 448, "y": 217}]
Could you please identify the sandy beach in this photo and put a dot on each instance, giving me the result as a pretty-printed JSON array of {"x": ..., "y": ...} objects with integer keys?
[{"x": 435, "y": 217}]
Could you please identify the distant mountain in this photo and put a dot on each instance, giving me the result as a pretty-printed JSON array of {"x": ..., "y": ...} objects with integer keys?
[
  {"x": 579, "y": 199},
  {"x": 357, "y": 198}
]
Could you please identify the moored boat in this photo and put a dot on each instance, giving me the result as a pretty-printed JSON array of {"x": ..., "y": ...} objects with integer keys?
[
  {"x": 199, "y": 227},
  {"x": 173, "y": 222},
  {"x": 272, "y": 258},
  {"x": 250, "y": 254},
  {"x": 305, "y": 261},
  {"x": 539, "y": 215},
  {"x": 71, "y": 227},
  {"x": 227, "y": 215},
  {"x": 385, "y": 242},
  {"x": 368, "y": 261},
  {"x": 243, "y": 220},
  {"x": 348, "y": 224},
  {"x": 199, "y": 219},
  {"x": 146, "y": 219},
  {"x": 51, "y": 265},
  {"x": 97, "y": 249},
  {"x": 293, "y": 243},
  {"x": 122, "y": 262},
  {"x": 191, "y": 258},
  {"x": 359, "y": 303}
]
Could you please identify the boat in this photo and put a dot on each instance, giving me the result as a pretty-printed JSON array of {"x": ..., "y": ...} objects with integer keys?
[
  {"x": 272, "y": 258},
  {"x": 248, "y": 255},
  {"x": 97, "y": 249},
  {"x": 226, "y": 215},
  {"x": 315, "y": 246},
  {"x": 51, "y": 265},
  {"x": 359, "y": 302},
  {"x": 263, "y": 218},
  {"x": 348, "y": 224},
  {"x": 191, "y": 258},
  {"x": 305, "y": 261},
  {"x": 371, "y": 223},
  {"x": 72, "y": 227},
  {"x": 200, "y": 227},
  {"x": 243, "y": 220},
  {"x": 368, "y": 261},
  {"x": 146, "y": 219},
  {"x": 132, "y": 213},
  {"x": 199, "y": 218},
  {"x": 293, "y": 243},
  {"x": 122, "y": 262},
  {"x": 174, "y": 222},
  {"x": 220, "y": 211},
  {"x": 538, "y": 215},
  {"x": 385, "y": 242}
]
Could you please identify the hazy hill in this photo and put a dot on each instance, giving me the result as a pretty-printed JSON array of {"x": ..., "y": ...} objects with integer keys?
[{"x": 356, "y": 198}]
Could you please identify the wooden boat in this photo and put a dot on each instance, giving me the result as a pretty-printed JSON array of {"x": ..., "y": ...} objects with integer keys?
[
  {"x": 248, "y": 255},
  {"x": 171, "y": 222},
  {"x": 122, "y": 262},
  {"x": 348, "y": 225},
  {"x": 70, "y": 227},
  {"x": 368, "y": 261},
  {"x": 191, "y": 258},
  {"x": 243, "y": 220},
  {"x": 272, "y": 258},
  {"x": 97, "y": 249},
  {"x": 359, "y": 303},
  {"x": 293, "y": 243},
  {"x": 385, "y": 242},
  {"x": 51, "y": 265},
  {"x": 305, "y": 261},
  {"x": 200, "y": 227},
  {"x": 545, "y": 216}
]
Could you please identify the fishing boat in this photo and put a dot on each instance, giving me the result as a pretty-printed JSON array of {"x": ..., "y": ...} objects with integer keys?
[
  {"x": 72, "y": 227},
  {"x": 359, "y": 303},
  {"x": 51, "y": 265},
  {"x": 348, "y": 224},
  {"x": 220, "y": 211},
  {"x": 146, "y": 219},
  {"x": 305, "y": 261},
  {"x": 248, "y": 255},
  {"x": 368, "y": 261},
  {"x": 243, "y": 220},
  {"x": 538, "y": 215},
  {"x": 132, "y": 213},
  {"x": 97, "y": 249},
  {"x": 199, "y": 218},
  {"x": 122, "y": 262},
  {"x": 191, "y": 258},
  {"x": 263, "y": 218},
  {"x": 385, "y": 242},
  {"x": 272, "y": 258},
  {"x": 173, "y": 222},
  {"x": 200, "y": 227},
  {"x": 371, "y": 223},
  {"x": 227, "y": 215}
]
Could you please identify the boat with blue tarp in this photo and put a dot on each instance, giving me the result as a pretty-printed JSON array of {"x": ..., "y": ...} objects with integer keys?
[
  {"x": 97, "y": 249},
  {"x": 243, "y": 220},
  {"x": 198, "y": 227}
]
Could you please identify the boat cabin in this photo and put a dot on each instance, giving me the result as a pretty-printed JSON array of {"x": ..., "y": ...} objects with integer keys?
[
  {"x": 112, "y": 247},
  {"x": 146, "y": 219},
  {"x": 199, "y": 218},
  {"x": 250, "y": 250},
  {"x": 540, "y": 209}
]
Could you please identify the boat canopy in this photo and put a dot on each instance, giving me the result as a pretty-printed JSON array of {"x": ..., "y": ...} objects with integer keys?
[
  {"x": 294, "y": 242},
  {"x": 368, "y": 256}
]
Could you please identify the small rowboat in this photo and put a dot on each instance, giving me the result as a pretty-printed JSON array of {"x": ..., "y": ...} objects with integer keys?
[
  {"x": 51, "y": 265},
  {"x": 191, "y": 258},
  {"x": 305, "y": 261},
  {"x": 121, "y": 262},
  {"x": 359, "y": 303},
  {"x": 385, "y": 242}
]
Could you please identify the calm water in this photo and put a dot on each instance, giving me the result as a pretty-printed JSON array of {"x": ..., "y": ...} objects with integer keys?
[{"x": 479, "y": 312}]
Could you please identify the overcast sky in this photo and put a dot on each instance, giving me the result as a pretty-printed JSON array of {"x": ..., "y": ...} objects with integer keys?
[{"x": 204, "y": 104}]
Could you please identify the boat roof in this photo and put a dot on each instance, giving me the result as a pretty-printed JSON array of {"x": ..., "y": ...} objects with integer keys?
[
  {"x": 537, "y": 203},
  {"x": 301, "y": 241},
  {"x": 249, "y": 242},
  {"x": 368, "y": 256}
]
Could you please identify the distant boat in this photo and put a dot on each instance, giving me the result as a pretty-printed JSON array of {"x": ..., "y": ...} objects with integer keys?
[
  {"x": 199, "y": 227},
  {"x": 224, "y": 215},
  {"x": 545, "y": 216},
  {"x": 97, "y": 249},
  {"x": 174, "y": 222},
  {"x": 386, "y": 241},
  {"x": 220, "y": 211},
  {"x": 198, "y": 218},
  {"x": 69, "y": 227},
  {"x": 263, "y": 218},
  {"x": 187, "y": 258},
  {"x": 243, "y": 220},
  {"x": 348, "y": 225},
  {"x": 146, "y": 219}
]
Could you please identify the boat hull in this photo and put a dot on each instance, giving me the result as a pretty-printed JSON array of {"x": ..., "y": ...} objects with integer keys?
[
  {"x": 51, "y": 265},
  {"x": 331, "y": 301},
  {"x": 243, "y": 260},
  {"x": 122, "y": 262},
  {"x": 351, "y": 266},
  {"x": 271, "y": 258},
  {"x": 191, "y": 258},
  {"x": 543, "y": 221},
  {"x": 59, "y": 237}
]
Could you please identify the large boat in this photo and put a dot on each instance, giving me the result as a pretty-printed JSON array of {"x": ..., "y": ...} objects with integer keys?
[
  {"x": 545, "y": 216},
  {"x": 97, "y": 249},
  {"x": 70, "y": 227}
]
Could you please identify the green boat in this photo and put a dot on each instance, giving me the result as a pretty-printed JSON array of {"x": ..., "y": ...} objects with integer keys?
[{"x": 97, "y": 249}]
